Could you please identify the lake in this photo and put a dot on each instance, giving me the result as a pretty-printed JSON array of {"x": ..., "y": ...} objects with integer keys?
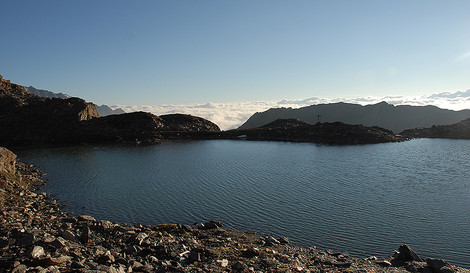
[{"x": 365, "y": 200}]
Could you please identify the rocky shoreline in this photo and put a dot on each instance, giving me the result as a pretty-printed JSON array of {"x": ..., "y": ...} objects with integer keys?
[{"x": 36, "y": 235}]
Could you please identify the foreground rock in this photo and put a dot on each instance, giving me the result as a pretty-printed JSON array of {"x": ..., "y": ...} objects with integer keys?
[
  {"x": 37, "y": 236},
  {"x": 460, "y": 130},
  {"x": 336, "y": 133}
]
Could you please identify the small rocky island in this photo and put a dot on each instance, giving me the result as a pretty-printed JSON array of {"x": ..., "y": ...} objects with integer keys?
[
  {"x": 335, "y": 133},
  {"x": 36, "y": 235}
]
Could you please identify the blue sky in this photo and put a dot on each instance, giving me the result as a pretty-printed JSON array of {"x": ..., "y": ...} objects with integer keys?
[{"x": 182, "y": 52}]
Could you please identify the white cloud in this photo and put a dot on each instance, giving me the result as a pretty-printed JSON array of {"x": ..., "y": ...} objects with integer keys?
[{"x": 232, "y": 115}]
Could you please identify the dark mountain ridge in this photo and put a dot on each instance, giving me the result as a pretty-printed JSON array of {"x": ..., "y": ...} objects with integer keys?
[{"x": 395, "y": 118}]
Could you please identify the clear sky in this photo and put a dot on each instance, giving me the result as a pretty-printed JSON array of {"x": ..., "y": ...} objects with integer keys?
[{"x": 198, "y": 51}]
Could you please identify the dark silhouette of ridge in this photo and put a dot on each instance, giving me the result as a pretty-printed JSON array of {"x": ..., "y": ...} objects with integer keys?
[{"x": 395, "y": 118}]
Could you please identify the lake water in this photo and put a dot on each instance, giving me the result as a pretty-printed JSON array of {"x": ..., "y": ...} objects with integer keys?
[{"x": 364, "y": 200}]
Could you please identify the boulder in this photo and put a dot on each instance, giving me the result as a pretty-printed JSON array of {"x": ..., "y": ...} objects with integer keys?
[
  {"x": 406, "y": 253},
  {"x": 439, "y": 266},
  {"x": 37, "y": 252},
  {"x": 7, "y": 161}
]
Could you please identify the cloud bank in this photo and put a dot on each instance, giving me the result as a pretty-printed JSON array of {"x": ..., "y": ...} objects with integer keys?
[{"x": 232, "y": 115}]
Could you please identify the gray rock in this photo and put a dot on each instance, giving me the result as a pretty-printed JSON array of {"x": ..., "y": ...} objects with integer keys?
[
  {"x": 270, "y": 241},
  {"x": 58, "y": 243},
  {"x": 137, "y": 265},
  {"x": 37, "y": 252},
  {"x": 139, "y": 238},
  {"x": 284, "y": 240},
  {"x": 68, "y": 235},
  {"x": 106, "y": 258},
  {"x": 20, "y": 269},
  {"x": 213, "y": 224},
  {"x": 7, "y": 161},
  {"x": 85, "y": 235},
  {"x": 384, "y": 263},
  {"x": 106, "y": 225},
  {"x": 86, "y": 218},
  {"x": 223, "y": 262},
  {"x": 439, "y": 266}
]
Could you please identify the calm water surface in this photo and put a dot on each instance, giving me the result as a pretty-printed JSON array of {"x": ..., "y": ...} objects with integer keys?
[{"x": 365, "y": 200}]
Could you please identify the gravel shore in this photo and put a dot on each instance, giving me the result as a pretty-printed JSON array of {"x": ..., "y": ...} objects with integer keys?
[{"x": 36, "y": 235}]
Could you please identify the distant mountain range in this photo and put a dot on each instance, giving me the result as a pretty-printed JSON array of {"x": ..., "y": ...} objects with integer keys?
[
  {"x": 46, "y": 93},
  {"x": 103, "y": 110},
  {"x": 395, "y": 118}
]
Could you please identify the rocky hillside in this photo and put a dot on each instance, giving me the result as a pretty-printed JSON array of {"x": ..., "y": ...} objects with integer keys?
[
  {"x": 37, "y": 236},
  {"x": 103, "y": 110},
  {"x": 30, "y": 120},
  {"x": 395, "y": 118},
  {"x": 460, "y": 130},
  {"x": 336, "y": 133}
]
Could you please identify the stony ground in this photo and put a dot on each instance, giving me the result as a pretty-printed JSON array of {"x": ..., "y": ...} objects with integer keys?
[{"x": 37, "y": 236}]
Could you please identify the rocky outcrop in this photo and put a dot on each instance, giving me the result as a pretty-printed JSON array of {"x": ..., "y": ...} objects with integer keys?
[
  {"x": 142, "y": 127},
  {"x": 395, "y": 118},
  {"x": 460, "y": 130},
  {"x": 7, "y": 161},
  {"x": 185, "y": 123},
  {"x": 37, "y": 236},
  {"x": 30, "y": 119},
  {"x": 336, "y": 133},
  {"x": 138, "y": 127},
  {"x": 103, "y": 110}
]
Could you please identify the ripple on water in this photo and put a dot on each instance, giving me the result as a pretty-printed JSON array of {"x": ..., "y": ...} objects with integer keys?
[{"x": 365, "y": 200}]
